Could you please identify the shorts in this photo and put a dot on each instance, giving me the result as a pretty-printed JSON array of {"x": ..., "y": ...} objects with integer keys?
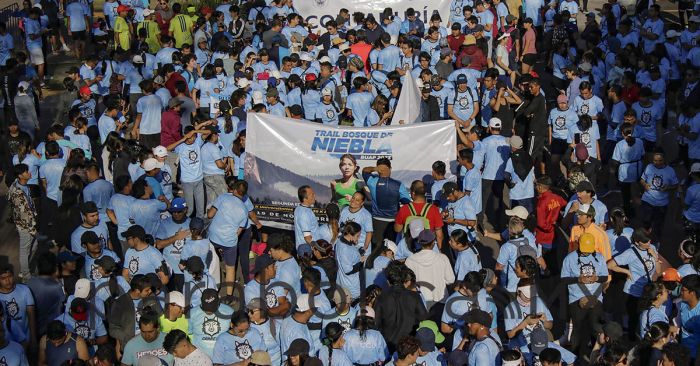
[
  {"x": 228, "y": 254},
  {"x": 535, "y": 146},
  {"x": 36, "y": 55},
  {"x": 559, "y": 146},
  {"x": 530, "y": 59},
  {"x": 79, "y": 36}
]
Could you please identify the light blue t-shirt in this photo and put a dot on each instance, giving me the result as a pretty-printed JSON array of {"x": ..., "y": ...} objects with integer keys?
[
  {"x": 305, "y": 224},
  {"x": 461, "y": 209},
  {"x": 230, "y": 349},
  {"x": 648, "y": 118},
  {"x": 658, "y": 179},
  {"x": 100, "y": 191},
  {"x": 462, "y": 103},
  {"x": 589, "y": 137},
  {"x": 649, "y": 317},
  {"x": 137, "y": 347},
  {"x": 359, "y": 104},
  {"x": 361, "y": 217},
  {"x": 457, "y": 305},
  {"x": 337, "y": 358},
  {"x": 33, "y": 27},
  {"x": 190, "y": 161},
  {"x": 145, "y": 261},
  {"x": 620, "y": 243},
  {"x": 211, "y": 153},
  {"x": 52, "y": 171},
  {"x": 562, "y": 122},
  {"x": 291, "y": 330},
  {"x": 576, "y": 265},
  {"x": 690, "y": 327},
  {"x": 523, "y": 188},
  {"x": 641, "y": 272},
  {"x": 496, "y": 152},
  {"x": 171, "y": 253},
  {"x": 468, "y": 260},
  {"x": 347, "y": 256},
  {"x": 33, "y": 163},
  {"x": 630, "y": 159},
  {"x": 692, "y": 201},
  {"x": 77, "y": 14},
  {"x": 484, "y": 352},
  {"x": 365, "y": 350},
  {"x": 16, "y": 303},
  {"x": 147, "y": 214},
  {"x": 90, "y": 270},
  {"x": 515, "y": 313},
  {"x": 13, "y": 354},
  {"x": 507, "y": 256},
  {"x": 205, "y": 328},
  {"x": 389, "y": 58},
  {"x": 100, "y": 229},
  {"x": 120, "y": 204},
  {"x": 150, "y": 108},
  {"x": 327, "y": 113},
  {"x": 231, "y": 214}
]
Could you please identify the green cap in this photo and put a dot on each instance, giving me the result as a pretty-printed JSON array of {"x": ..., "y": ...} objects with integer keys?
[{"x": 439, "y": 338}]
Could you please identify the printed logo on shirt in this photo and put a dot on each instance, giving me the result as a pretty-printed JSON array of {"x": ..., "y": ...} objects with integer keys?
[
  {"x": 585, "y": 137},
  {"x": 134, "y": 265},
  {"x": 178, "y": 246},
  {"x": 103, "y": 240},
  {"x": 160, "y": 352},
  {"x": 646, "y": 118},
  {"x": 244, "y": 350},
  {"x": 649, "y": 264},
  {"x": 587, "y": 269},
  {"x": 82, "y": 330},
  {"x": 271, "y": 299},
  {"x": 193, "y": 157},
  {"x": 463, "y": 102},
  {"x": 167, "y": 178},
  {"x": 560, "y": 122},
  {"x": 439, "y": 100},
  {"x": 3, "y": 361},
  {"x": 584, "y": 109},
  {"x": 211, "y": 327},
  {"x": 12, "y": 309},
  {"x": 330, "y": 113},
  {"x": 94, "y": 272},
  {"x": 657, "y": 182}
]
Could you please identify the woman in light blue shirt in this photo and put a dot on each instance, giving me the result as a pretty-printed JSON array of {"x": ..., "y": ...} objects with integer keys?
[
  {"x": 651, "y": 305},
  {"x": 619, "y": 232},
  {"x": 205, "y": 86},
  {"x": 332, "y": 353},
  {"x": 347, "y": 255},
  {"x": 214, "y": 165},
  {"x": 364, "y": 345}
]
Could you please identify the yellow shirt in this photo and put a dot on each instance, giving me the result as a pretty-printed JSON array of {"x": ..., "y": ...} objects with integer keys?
[
  {"x": 602, "y": 243},
  {"x": 152, "y": 32},
  {"x": 122, "y": 37},
  {"x": 180, "y": 323},
  {"x": 181, "y": 27}
]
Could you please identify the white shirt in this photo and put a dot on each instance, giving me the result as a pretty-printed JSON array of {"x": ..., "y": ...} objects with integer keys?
[{"x": 196, "y": 358}]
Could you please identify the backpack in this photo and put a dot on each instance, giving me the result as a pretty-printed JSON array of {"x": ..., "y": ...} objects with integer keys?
[
  {"x": 415, "y": 216},
  {"x": 114, "y": 288},
  {"x": 524, "y": 247},
  {"x": 116, "y": 86}
]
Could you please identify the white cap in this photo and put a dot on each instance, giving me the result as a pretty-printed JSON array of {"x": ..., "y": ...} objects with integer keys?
[
  {"x": 137, "y": 59},
  {"x": 672, "y": 33},
  {"x": 504, "y": 35},
  {"x": 257, "y": 97},
  {"x": 160, "y": 151},
  {"x": 585, "y": 67},
  {"x": 391, "y": 245},
  {"x": 243, "y": 83},
  {"x": 326, "y": 91},
  {"x": 275, "y": 74},
  {"x": 152, "y": 163},
  {"x": 344, "y": 46},
  {"x": 24, "y": 85},
  {"x": 495, "y": 122},
  {"x": 695, "y": 168},
  {"x": 415, "y": 227},
  {"x": 325, "y": 59},
  {"x": 694, "y": 19},
  {"x": 37, "y": 5},
  {"x": 147, "y": 12},
  {"x": 303, "y": 303},
  {"x": 519, "y": 212},
  {"x": 305, "y": 57},
  {"x": 82, "y": 288},
  {"x": 177, "y": 298}
]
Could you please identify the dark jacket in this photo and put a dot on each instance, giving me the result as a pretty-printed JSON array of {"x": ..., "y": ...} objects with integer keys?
[
  {"x": 429, "y": 109},
  {"x": 397, "y": 312},
  {"x": 122, "y": 316}
]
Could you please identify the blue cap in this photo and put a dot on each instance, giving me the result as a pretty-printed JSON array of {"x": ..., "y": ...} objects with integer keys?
[
  {"x": 178, "y": 205},
  {"x": 462, "y": 79},
  {"x": 66, "y": 257},
  {"x": 272, "y": 81}
]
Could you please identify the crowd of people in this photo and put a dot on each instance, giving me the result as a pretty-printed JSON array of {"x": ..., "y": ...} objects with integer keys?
[{"x": 577, "y": 164}]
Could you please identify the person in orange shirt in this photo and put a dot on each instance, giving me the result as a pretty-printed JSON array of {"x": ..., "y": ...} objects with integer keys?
[
  {"x": 585, "y": 218},
  {"x": 362, "y": 48}
]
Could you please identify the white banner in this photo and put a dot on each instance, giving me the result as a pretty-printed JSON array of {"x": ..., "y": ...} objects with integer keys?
[
  {"x": 318, "y": 12},
  {"x": 408, "y": 105},
  {"x": 283, "y": 154}
]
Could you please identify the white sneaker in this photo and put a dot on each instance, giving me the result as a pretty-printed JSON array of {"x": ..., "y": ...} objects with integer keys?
[{"x": 65, "y": 48}]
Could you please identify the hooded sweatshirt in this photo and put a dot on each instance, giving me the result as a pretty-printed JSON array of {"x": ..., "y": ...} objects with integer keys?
[{"x": 434, "y": 269}]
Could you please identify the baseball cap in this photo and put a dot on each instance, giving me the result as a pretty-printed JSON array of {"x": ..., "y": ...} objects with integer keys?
[
  {"x": 611, "y": 329},
  {"x": 310, "y": 76},
  {"x": 147, "y": 12},
  {"x": 210, "y": 300},
  {"x": 122, "y": 8},
  {"x": 429, "y": 324},
  {"x": 304, "y": 250},
  {"x": 341, "y": 294},
  {"x": 426, "y": 339},
  {"x": 66, "y": 256},
  {"x": 82, "y": 288},
  {"x": 326, "y": 91},
  {"x": 151, "y": 360},
  {"x": 257, "y": 97},
  {"x": 516, "y": 142},
  {"x": 586, "y": 243},
  {"x": 23, "y": 85},
  {"x": 85, "y": 90},
  {"x": 584, "y": 186},
  {"x": 79, "y": 309},
  {"x": 695, "y": 168},
  {"x": 73, "y": 70},
  {"x": 152, "y": 163},
  {"x": 671, "y": 33},
  {"x": 158, "y": 80},
  {"x": 586, "y": 209},
  {"x": 243, "y": 83},
  {"x": 585, "y": 66},
  {"x": 478, "y": 316},
  {"x": 519, "y": 212},
  {"x": 425, "y": 236},
  {"x": 303, "y": 303},
  {"x": 461, "y": 79},
  {"x": 272, "y": 92},
  {"x": 107, "y": 263},
  {"x": 469, "y": 40},
  {"x": 356, "y": 62},
  {"x": 538, "y": 340},
  {"x": 160, "y": 151},
  {"x": 435, "y": 80},
  {"x": 449, "y": 188},
  {"x": 261, "y": 358},
  {"x": 297, "y": 347},
  {"x": 671, "y": 275},
  {"x": 456, "y": 26},
  {"x": 178, "y": 204},
  {"x": 504, "y": 35},
  {"x": 177, "y": 298},
  {"x": 443, "y": 52},
  {"x": 344, "y": 46},
  {"x": 137, "y": 59},
  {"x": 88, "y": 207},
  {"x": 262, "y": 262},
  {"x": 510, "y": 18},
  {"x": 391, "y": 245},
  {"x": 495, "y": 123},
  {"x": 305, "y": 56},
  {"x": 89, "y": 237},
  {"x": 174, "y": 102},
  {"x": 206, "y": 10},
  {"x": 134, "y": 231},
  {"x": 562, "y": 99},
  {"x": 196, "y": 223}
]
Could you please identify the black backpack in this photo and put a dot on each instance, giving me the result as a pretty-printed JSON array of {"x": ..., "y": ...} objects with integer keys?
[{"x": 114, "y": 293}]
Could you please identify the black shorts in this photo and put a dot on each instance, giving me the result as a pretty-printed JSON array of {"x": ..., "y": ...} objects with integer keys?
[
  {"x": 530, "y": 59},
  {"x": 559, "y": 146},
  {"x": 79, "y": 36},
  {"x": 535, "y": 146}
]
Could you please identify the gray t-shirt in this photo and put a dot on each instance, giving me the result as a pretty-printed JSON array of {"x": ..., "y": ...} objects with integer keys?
[
  {"x": 186, "y": 109},
  {"x": 48, "y": 297}
]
